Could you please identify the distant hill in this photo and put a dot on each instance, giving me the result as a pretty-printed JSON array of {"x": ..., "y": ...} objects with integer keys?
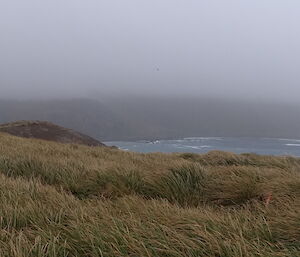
[
  {"x": 160, "y": 118},
  {"x": 47, "y": 131},
  {"x": 84, "y": 115}
]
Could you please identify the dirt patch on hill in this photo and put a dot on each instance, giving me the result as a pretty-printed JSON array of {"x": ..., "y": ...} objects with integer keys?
[{"x": 48, "y": 131}]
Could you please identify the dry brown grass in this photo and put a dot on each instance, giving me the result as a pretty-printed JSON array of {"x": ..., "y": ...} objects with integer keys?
[{"x": 71, "y": 200}]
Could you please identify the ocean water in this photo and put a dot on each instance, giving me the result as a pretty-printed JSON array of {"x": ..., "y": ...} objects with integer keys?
[{"x": 269, "y": 146}]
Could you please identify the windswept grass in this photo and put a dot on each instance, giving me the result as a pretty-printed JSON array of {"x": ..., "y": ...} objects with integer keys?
[{"x": 70, "y": 200}]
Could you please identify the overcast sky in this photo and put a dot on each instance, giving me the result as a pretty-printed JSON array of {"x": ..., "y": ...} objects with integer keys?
[{"x": 219, "y": 48}]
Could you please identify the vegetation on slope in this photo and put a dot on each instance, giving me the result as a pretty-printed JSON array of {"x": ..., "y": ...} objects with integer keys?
[
  {"x": 47, "y": 131},
  {"x": 73, "y": 200}
]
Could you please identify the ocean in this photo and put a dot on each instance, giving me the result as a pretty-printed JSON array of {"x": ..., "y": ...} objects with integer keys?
[{"x": 268, "y": 146}]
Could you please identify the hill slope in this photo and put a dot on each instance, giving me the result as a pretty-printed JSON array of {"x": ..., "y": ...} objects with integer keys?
[
  {"x": 74, "y": 200},
  {"x": 47, "y": 131}
]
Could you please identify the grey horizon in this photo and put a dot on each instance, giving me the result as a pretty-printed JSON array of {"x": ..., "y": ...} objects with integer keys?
[{"x": 223, "y": 49}]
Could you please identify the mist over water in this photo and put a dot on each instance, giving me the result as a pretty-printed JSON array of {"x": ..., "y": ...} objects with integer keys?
[{"x": 132, "y": 70}]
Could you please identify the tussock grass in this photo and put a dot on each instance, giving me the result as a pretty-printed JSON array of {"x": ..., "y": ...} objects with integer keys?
[
  {"x": 71, "y": 200},
  {"x": 185, "y": 185}
]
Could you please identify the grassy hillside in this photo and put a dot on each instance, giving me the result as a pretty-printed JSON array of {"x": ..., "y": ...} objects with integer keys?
[
  {"x": 47, "y": 131},
  {"x": 71, "y": 200}
]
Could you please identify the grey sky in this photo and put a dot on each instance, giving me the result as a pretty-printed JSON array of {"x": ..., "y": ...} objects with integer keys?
[{"x": 192, "y": 47}]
